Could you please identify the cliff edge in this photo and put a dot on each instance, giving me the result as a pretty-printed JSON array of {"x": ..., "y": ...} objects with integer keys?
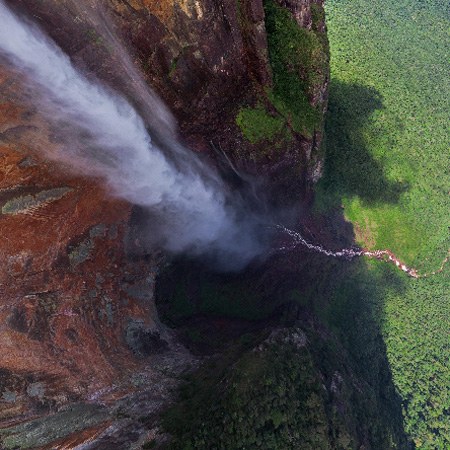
[{"x": 79, "y": 326}]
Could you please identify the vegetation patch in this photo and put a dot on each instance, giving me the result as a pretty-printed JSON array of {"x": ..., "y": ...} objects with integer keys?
[
  {"x": 23, "y": 204},
  {"x": 317, "y": 16},
  {"x": 289, "y": 390},
  {"x": 387, "y": 165},
  {"x": 299, "y": 62},
  {"x": 81, "y": 253},
  {"x": 258, "y": 125},
  {"x": 269, "y": 399}
]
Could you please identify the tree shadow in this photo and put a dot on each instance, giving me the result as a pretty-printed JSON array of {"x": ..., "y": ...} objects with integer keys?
[
  {"x": 350, "y": 168},
  {"x": 349, "y": 297},
  {"x": 337, "y": 303}
]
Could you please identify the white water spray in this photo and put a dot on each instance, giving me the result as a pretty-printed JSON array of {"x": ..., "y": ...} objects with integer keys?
[{"x": 104, "y": 136}]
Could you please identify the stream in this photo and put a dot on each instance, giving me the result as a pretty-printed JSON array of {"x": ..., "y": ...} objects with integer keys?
[{"x": 351, "y": 253}]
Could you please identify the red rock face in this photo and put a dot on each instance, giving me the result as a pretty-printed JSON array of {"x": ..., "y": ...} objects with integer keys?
[
  {"x": 65, "y": 279},
  {"x": 76, "y": 290}
]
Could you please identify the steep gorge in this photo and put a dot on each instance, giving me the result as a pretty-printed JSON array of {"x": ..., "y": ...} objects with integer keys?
[{"x": 85, "y": 358}]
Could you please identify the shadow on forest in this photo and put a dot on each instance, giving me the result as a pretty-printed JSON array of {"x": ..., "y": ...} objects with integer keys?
[
  {"x": 338, "y": 303},
  {"x": 350, "y": 169},
  {"x": 349, "y": 297}
]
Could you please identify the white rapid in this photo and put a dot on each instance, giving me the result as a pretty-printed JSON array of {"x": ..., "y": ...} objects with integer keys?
[{"x": 351, "y": 253}]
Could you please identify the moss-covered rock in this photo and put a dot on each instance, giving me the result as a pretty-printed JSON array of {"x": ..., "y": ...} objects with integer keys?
[
  {"x": 258, "y": 125},
  {"x": 299, "y": 61}
]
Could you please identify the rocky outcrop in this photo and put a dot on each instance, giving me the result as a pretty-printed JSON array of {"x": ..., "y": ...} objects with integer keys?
[
  {"x": 219, "y": 70},
  {"x": 77, "y": 315},
  {"x": 76, "y": 293},
  {"x": 246, "y": 78}
]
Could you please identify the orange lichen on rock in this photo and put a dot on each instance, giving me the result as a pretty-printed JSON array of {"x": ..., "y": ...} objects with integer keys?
[{"x": 165, "y": 9}]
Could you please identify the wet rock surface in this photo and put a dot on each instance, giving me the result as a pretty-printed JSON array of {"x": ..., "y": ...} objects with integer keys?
[{"x": 83, "y": 351}]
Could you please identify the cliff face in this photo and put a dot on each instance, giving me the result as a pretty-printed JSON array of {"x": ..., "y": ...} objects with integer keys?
[
  {"x": 77, "y": 316},
  {"x": 247, "y": 78},
  {"x": 76, "y": 296}
]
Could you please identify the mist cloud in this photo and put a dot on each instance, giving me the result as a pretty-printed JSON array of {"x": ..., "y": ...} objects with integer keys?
[{"x": 103, "y": 135}]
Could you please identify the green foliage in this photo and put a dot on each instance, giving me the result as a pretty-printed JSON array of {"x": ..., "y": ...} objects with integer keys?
[
  {"x": 417, "y": 325},
  {"x": 317, "y": 16},
  {"x": 258, "y": 125},
  {"x": 387, "y": 165},
  {"x": 414, "y": 318},
  {"x": 268, "y": 399},
  {"x": 299, "y": 61},
  {"x": 290, "y": 391},
  {"x": 387, "y": 162},
  {"x": 388, "y": 121}
]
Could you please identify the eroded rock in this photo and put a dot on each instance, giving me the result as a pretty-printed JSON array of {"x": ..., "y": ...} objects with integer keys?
[{"x": 77, "y": 315}]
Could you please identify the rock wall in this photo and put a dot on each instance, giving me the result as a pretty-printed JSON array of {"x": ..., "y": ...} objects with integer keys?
[
  {"x": 77, "y": 317},
  {"x": 211, "y": 60},
  {"x": 71, "y": 295}
]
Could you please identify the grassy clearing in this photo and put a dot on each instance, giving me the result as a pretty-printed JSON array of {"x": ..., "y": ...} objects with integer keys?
[
  {"x": 389, "y": 120},
  {"x": 388, "y": 164}
]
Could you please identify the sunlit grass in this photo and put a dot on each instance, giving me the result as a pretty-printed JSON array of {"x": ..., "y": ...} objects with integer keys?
[
  {"x": 399, "y": 50},
  {"x": 388, "y": 166}
]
